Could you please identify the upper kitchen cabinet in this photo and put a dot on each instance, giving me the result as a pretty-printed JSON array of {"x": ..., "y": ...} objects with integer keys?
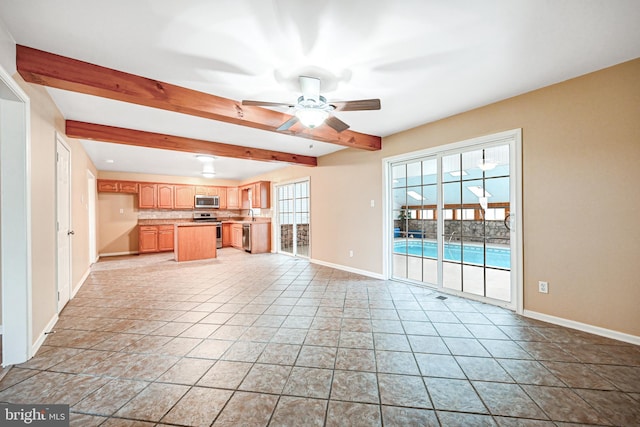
[
  {"x": 206, "y": 190},
  {"x": 255, "y": 195},
  {"x": 113, "y": 186},
  {"x": 184, "y": 196},
  {"x": 260, "y": 196},
  {"x": 165, "y": 196},
  {"x": 147, "y": 195},
  {"x": 233, "y": 201}
]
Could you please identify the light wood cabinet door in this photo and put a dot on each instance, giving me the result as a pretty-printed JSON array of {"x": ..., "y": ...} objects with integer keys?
[
  {"x": 205, "y": 190},
  {"x": 148, "y": 239},
  {"x": 236, "y": 236},
  {"x": 128, "y": 187},
  {"x": 232, "y": 198},
  {"x": 222, "y": 194},
  {"x": 147, "y": 195},
  {"x": 184, "y": 196},
  {"x": 165, "y": 238},
  {"x": 261, "y": 195},
  {"x": 107, "y": 186},
  {"x": 165, "y": 196},
  {"x": 226, "y": 235}
]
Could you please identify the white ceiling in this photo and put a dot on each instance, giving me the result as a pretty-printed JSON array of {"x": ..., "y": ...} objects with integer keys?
[{"x": 425, "y": 60}]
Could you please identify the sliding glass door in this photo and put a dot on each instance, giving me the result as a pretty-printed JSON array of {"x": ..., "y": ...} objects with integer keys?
[
  {"x": 293, "y": 218},
  {"x": 452, "y": 219}
]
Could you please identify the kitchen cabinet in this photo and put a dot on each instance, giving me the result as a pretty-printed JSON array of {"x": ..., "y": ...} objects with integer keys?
[
  {"x": 260, "y": 237},
  {"x": 165, "y": 196},
  {"x": 236, "y": 236},
  {"x": 165, "y": 238},
  {"x": 233, "y": 202},
  {"x": 113, "y": 186},
  {"x": 206, "y": 190},
  {"x": 148, "y": 239},
  {"x": 222, "y": 194},
  {"x": 256, "y": 195},
  {"x": 184, "y": 196},
  {"x": 155, "y": 238},
  {"x": 147, "y": 195},
  {"x": 260, "y": 196},
  {"x": 226, "y": 235}
]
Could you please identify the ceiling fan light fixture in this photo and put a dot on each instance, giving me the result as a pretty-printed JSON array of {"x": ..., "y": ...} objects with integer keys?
[
  {"x": 205, "y": 158},
  {"x": 312, "y": 117}
]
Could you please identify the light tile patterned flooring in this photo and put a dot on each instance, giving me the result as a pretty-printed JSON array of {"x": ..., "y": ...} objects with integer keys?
[{"x": 254, "y": 340}]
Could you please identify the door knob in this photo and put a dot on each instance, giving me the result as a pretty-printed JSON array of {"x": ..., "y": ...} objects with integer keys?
[{"x": 70, "y": 232}]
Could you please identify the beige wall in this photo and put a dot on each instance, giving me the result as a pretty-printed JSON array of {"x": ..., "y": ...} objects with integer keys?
[
  {"x": 80, "y": 164},
  {"x": 46, "y": 120},
  {"x": 581, "y": 151}
]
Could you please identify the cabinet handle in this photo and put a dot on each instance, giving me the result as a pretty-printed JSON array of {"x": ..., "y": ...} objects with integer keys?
[{"x": 70, "y": 233}]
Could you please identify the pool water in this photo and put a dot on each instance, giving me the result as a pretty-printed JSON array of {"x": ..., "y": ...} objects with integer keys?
[{"x": 469, "y": 254}]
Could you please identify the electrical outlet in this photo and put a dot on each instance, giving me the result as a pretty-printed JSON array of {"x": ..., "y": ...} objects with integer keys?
[
  {"x": 373, "y": 203},
  {"x": 543, "y": 287},
  {"x": 350, "y": 254}
]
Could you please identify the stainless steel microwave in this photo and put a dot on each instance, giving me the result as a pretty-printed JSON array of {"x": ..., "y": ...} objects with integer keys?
[{"x": 207, "y": 202}]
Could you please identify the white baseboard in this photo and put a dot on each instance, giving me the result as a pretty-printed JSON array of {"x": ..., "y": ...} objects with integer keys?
[
  {"x": 584, "y": 327},
  {"x": 75, "y": 290},
  {"x": 119, "y": 253},
  {"x": 349, "y": 269},
  {"x": 38, "y": 343}
]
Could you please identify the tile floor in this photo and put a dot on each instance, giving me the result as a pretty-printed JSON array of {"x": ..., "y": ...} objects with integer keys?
[{"x": 258, "y": 340}]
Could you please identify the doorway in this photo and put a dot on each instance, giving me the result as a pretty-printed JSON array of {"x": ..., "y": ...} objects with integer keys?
[
  {"x": 63, "y": 221},
  {"x": 293, "y": 213},
  {"x": 15, "y": 221},
  {"x": 454, "y": 218}
]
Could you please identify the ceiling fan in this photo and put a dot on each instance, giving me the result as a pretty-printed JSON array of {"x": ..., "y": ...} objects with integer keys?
[{"x": 313, "y": 109}]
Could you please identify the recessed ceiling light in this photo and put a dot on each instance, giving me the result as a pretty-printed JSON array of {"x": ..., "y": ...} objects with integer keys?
[
  {"x": 209, "y": 174},
  {"x": 109, "y": 161},
  {"x": 415, "y": 195}
]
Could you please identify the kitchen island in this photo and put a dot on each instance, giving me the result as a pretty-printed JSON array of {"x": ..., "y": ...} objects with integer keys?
[{"x": 194, "y": 241}]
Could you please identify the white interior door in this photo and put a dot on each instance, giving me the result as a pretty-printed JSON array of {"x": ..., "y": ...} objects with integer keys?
[{"x": 64, "y": 232}]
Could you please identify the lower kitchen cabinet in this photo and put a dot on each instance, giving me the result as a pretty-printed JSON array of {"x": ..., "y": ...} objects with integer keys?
[
  {"x": 165, "y": 238},
  {"x": 236, "y": 236},
  {"x": 148, "y": 239},
  {"x": 155, "y": 238},
  {"x": 226, "y": 235}
]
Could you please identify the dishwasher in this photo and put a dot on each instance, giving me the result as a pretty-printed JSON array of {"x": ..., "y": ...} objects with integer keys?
[{"x": 246, "y": 237}]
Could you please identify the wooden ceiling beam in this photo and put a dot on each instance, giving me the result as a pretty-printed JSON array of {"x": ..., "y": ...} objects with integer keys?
[
  {"x": 48, "y": 69},
  {"x": 96, "y": 132}
]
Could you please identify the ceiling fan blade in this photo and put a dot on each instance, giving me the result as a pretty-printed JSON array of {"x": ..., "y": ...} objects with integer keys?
[
  {"x": 286, "y": 125},
  {"x": 310, "y": 87},
  {"x": 266, "y": 104},
  {"x": 360, "y": 105},
  {"x": 336, "y": 124}
]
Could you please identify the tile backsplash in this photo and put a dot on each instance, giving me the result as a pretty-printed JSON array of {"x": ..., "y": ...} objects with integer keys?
[{"x": 183, "y": 214}]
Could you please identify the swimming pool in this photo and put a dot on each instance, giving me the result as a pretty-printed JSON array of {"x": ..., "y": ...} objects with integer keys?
[{"x": 473, "y": 254}]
